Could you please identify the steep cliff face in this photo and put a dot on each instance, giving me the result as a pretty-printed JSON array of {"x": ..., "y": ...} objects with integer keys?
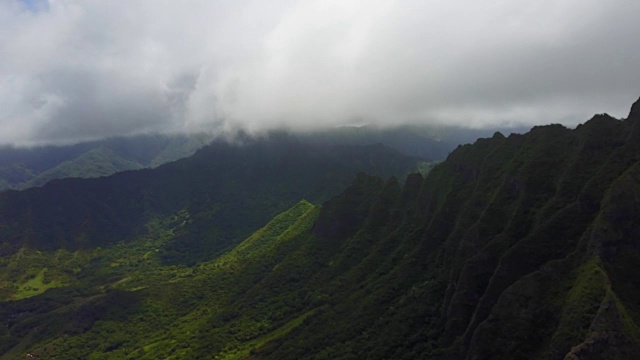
[{"x": 521, "y": 247}]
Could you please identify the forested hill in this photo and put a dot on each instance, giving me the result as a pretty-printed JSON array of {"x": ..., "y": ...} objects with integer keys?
[
  {"x": 518, "y": 247},
  {"x": 524, "y": 247},
  {"x": 25, "y": 167},
  {"x": 228, "y": 190}
]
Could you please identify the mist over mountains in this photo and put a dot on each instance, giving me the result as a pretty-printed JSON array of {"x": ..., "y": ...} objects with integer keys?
[
  {"x": 21, "y": 168},
  {"x": 319, "y": 179},
  {"x": 76, "y": 71},
  {"x": 24, "y": 167},
  {"x": 521, "y": 246}
]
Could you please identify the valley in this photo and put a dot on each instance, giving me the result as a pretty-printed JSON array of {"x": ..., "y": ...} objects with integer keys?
[{"x": 521, "y": 246}]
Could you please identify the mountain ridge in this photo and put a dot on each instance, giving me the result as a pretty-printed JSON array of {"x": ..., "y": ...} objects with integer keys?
[
  {"x": 231, "y": 183},
  {"x": 556, "y": 184},
  {"x": 522, "y": 247},
  {"x": 22, "y": 168}
]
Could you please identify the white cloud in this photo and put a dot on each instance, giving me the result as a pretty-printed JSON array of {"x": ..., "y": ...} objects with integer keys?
[{"x": 74, "y": 69}]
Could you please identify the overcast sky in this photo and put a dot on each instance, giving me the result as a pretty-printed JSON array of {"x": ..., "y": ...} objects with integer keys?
[{"x": 81, "y": 69}]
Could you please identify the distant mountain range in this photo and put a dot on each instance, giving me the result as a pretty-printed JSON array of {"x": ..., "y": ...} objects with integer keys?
[
  {"x": 432, "y": 143},
  {"x": 22, "y": 168},
  {"x": 515, "y": 247},
  {"x": 229, "y": 190}
]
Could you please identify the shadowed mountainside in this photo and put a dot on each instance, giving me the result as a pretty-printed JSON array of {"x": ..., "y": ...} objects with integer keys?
[
  {"x": 228, "y": 190},
  {"x": 22, "y": 168},
  {"x": 519, "y": 247},
  {"x": 433, "y": 143}
]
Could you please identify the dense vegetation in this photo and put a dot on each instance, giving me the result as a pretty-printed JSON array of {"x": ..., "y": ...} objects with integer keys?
[
  {"x": 22, "y": 168},
  {"x": 519, "y": 247},
  {"x": 433, "y": 143},
  {"x": 227, "y": 190}
]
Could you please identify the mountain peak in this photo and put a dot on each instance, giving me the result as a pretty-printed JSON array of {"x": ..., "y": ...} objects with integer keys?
[{"x": 635, "y": 110}]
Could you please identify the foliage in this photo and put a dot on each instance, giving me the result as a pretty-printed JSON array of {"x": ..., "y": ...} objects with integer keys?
[
  {"x": 229, "y": 190},
  {"x": 129, "y": 315},
  {"x": 22, "y": 168},
  {"x": 514, "y": 247}
]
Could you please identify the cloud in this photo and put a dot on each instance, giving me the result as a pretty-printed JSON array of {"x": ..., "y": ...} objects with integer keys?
[{"x": 74, "y": 70}]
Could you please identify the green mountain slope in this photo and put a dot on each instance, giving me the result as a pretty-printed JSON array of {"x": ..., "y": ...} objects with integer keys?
[
  {"x": 22, "y": 168},
  {"x": 156, "y": 310},
  {"x": 519, "y": 247},
  {"x": 227, "y": 190},
  {"x": 433, "y": 143},
  {"x": 94, "y": 163}
]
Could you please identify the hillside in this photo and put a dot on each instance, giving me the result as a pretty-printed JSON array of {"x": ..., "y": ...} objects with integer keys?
[
  {"x": 519, "y": 247},
  {"x": 22, "y": 168},
  {"x": 432, "y": 143},
  {"x": 128, "y": 283},
  {"x": 228, "y": 191}
]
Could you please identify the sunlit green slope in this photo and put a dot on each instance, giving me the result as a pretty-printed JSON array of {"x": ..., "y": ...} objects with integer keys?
[
  {"x": 22, "y": 168},
  {"x": 519, "y": 247},
  {"x": 122, "y": 303}
]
